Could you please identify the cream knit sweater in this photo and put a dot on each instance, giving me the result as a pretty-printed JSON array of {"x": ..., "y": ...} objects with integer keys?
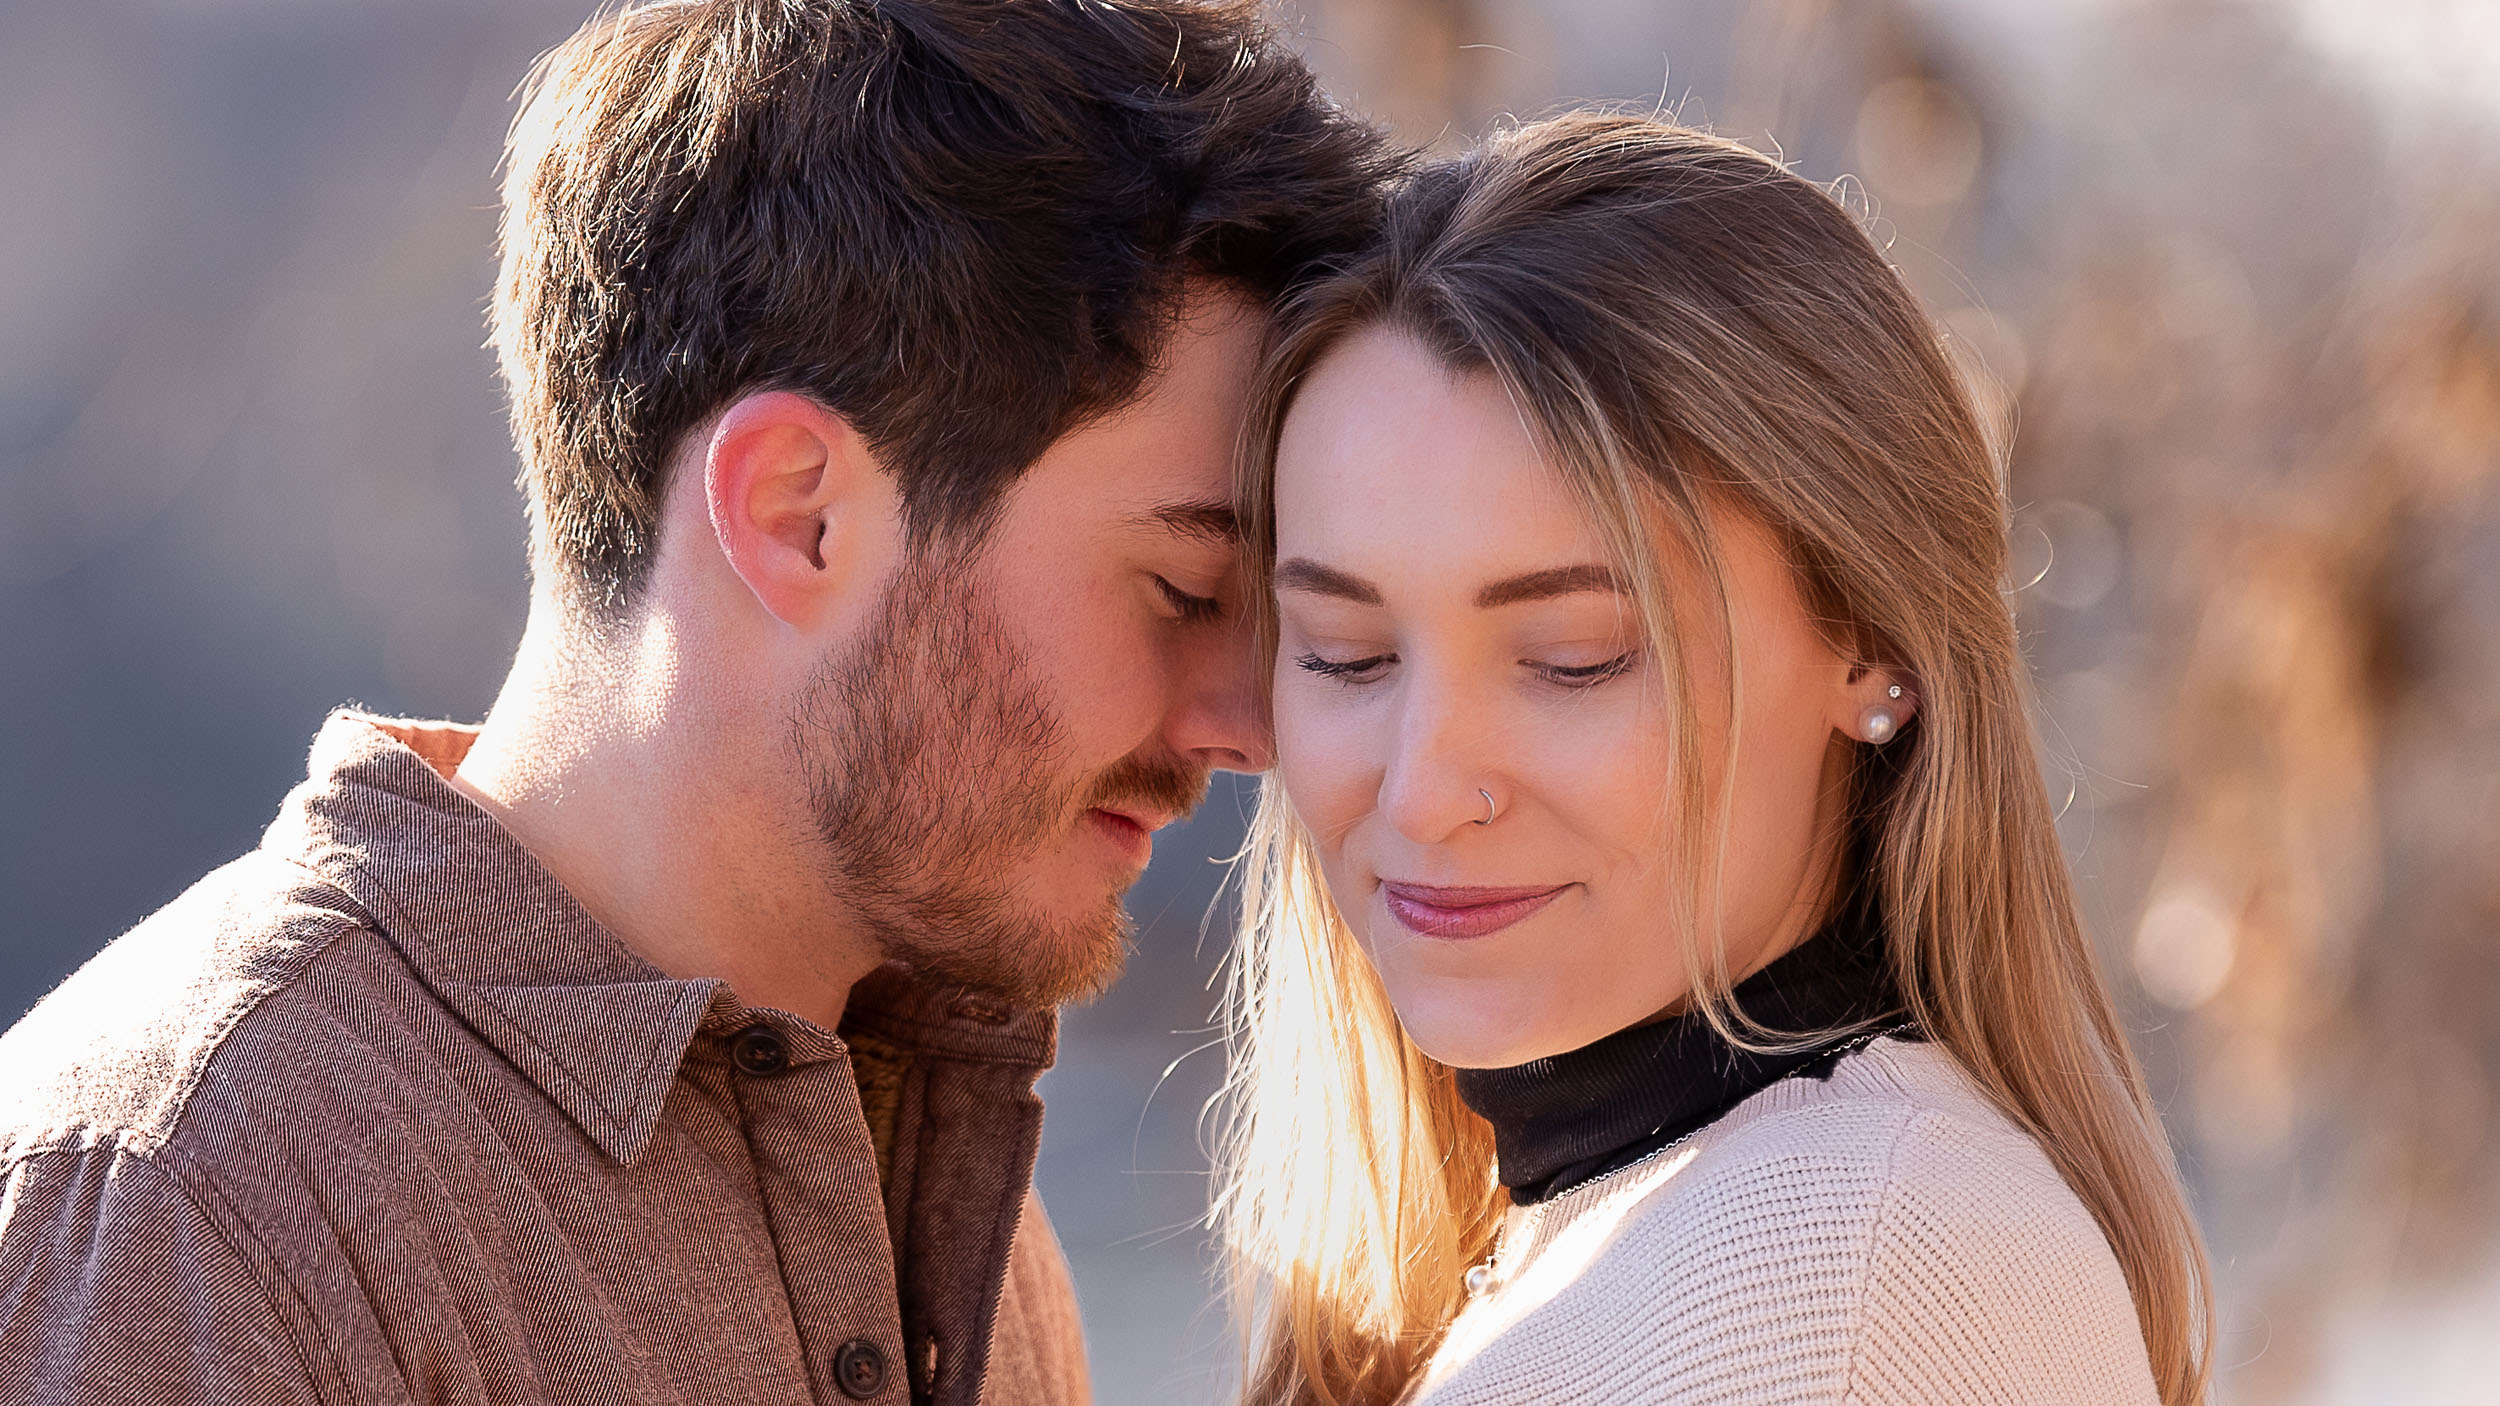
[{"x": 1883, "y": 1236}]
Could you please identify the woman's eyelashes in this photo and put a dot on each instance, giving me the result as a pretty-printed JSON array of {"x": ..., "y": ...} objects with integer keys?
[
  {"x": 1362, "y": 670},
  {"x": 1371, "y": 667},
  {"x": 1584, "y": 675}
]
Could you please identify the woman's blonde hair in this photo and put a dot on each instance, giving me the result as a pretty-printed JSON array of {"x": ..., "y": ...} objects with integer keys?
[{"x": 1687, "y": 329}]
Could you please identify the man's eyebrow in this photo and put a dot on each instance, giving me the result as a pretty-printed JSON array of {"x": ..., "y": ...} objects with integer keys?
[
  {"x": 1208, "y": 521},
  {"x": 1304, "y": 574},
  {"x": 1545, "y": 585}
]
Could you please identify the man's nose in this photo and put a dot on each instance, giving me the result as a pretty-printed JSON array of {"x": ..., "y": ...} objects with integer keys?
[{"x": 1221, "y": 713}]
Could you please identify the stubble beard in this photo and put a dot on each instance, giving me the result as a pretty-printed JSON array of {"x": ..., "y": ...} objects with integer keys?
[{"x": 937, "y": 772}]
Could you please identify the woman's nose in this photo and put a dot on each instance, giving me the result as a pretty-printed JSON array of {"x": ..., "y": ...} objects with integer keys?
[{"x": 1440, "y": 760}]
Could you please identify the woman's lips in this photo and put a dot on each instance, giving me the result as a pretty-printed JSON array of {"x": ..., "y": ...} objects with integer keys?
[{"x": 1462, "y": 912}]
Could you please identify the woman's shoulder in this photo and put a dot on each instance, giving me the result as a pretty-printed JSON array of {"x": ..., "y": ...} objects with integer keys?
[
  {"x": 1981, "y": 1275},
  {"x": 1892, "y": 1098},
  {"x": 1884, "y": 1234},
  {"x": 1897, "y": 1118},
  {"x": 1896, "y": 1142}
]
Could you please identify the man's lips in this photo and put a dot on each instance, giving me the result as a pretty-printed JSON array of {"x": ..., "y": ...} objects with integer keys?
[
  {"x": 1459, "y": 912},
  {"x": 1130, "y": 829},
  {"x": 1147, "y": 818}
]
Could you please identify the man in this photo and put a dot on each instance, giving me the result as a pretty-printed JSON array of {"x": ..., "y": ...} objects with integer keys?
[{"x": 875, "y": 368}]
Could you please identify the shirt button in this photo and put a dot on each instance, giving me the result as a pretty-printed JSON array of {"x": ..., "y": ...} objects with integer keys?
[
  {"x": 859, "y": 1369},
  {"x": 759, "y": 1049}
]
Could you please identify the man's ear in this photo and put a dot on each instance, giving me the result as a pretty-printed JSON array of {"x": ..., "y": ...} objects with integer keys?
[{"x": 801, "y": 508}]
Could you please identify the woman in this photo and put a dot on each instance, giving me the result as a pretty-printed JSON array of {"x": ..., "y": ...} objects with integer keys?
[{"x": 1661, "y": 980}]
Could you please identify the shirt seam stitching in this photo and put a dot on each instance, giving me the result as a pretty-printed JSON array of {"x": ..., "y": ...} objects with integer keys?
[
  {"x": 197, "y": 1183},
  {"x": 179, "y": 1093},
  {"x": 1858, "y": 1317},
  {"x": 195, "y": 1186},
  {"x": 337, "y": 925}
]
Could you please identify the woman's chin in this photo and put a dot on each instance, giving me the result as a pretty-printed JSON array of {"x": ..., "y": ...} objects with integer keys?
[
  {"x": 1485, "y": 1024},
  {"x": 1477, "y": 1029}
]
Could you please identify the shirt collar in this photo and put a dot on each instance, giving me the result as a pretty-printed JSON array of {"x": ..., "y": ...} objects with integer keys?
[
  {"x": 596, "y": 1027},
  {"x": 501, "y": 942}
]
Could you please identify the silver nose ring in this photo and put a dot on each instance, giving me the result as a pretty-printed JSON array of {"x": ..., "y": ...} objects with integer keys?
[{"x": 1490, "y": 809}]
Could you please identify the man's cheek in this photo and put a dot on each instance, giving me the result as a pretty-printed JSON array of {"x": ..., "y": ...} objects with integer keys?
[{"x": 1112, "y": 686}]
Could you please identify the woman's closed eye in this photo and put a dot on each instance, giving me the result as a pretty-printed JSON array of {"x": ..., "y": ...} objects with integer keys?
[
  {"x": 1362, "y": 670},
  {"x": 1369, "y": 667},
  {"x": 1583, "y": 675}
]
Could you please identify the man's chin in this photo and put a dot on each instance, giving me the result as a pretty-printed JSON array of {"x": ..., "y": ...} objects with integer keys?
[{"x": 1037, "y": 962}]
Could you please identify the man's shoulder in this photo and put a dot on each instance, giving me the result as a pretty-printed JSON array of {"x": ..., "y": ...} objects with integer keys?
[{"x": 119, "y": 1050}]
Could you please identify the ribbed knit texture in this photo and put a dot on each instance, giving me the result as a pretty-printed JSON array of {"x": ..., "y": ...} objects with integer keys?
[{"x": 1884, "y": 1236}]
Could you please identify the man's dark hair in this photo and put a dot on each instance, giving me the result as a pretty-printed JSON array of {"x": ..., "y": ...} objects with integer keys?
[{"x": 963, "y": 225}]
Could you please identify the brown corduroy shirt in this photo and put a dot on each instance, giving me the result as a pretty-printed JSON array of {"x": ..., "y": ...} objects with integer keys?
[{"x": 377, "y": 1114}]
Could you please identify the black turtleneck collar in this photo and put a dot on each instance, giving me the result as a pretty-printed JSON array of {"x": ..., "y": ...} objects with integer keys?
[{"x": 1561, "y": 1121}]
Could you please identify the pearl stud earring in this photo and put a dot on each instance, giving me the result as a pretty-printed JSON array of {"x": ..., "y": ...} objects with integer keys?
[{"x": 1878, "y": 723}]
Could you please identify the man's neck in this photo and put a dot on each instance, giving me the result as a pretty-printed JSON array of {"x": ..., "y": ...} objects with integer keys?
[{"x": 636, "y": 795}]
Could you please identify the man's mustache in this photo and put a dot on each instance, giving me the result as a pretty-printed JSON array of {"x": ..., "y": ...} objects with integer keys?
[{"x": 1150, "y": 783}]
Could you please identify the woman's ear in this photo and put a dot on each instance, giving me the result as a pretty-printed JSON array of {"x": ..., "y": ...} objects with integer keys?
[
  {"x": 1875, "y": 704},
  {"x": 801, "y": 508}
]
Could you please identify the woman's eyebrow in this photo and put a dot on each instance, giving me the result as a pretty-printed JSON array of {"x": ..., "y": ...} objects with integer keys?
[
  {"x": 1554, "y": 581},
  {"x": 1304, "y": 574}
]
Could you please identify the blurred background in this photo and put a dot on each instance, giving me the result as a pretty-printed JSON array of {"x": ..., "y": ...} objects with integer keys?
[{"x": 2228, "y": 271}]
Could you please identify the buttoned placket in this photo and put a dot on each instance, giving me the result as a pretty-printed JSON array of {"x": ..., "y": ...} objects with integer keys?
[
  {"x": 957, "y": 1184},
  {"x": 816, "y": 1170}
]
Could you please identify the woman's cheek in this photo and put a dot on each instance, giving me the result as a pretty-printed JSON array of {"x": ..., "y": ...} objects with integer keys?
[
  {"x": 1320, "y": 754},
  {"x": 1606, "y": 768}
]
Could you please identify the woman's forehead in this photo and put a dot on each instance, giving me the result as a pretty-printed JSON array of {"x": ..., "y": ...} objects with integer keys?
[{"x": 1384, "y": 444}]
